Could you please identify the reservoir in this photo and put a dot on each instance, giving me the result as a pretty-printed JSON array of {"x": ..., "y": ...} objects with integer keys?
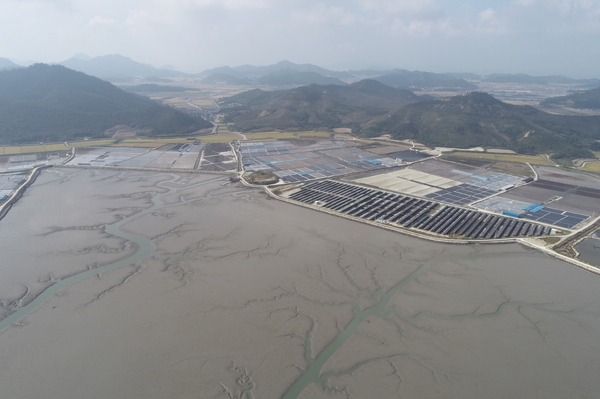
[{"x": 166, "y": 285}]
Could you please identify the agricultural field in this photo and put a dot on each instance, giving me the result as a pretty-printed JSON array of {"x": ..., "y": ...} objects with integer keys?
[
  {"x": 153, "y": 143},
  {"x": 592, "y": 167},
  {"x": 532, "y": 159},
  {"x": 37, "y": 148},
  {"x": 222, "y": 128},
  {"x": 224, "y": 136},
  {"x": 27, "y": 149},
  {"x": 286, "y": 135},
  {"x": 91, "y": 143},
  {"x": 204, "y": 103},
  {"x": 220, "y": 138}
]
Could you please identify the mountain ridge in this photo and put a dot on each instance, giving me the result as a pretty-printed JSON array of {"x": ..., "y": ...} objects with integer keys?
[
  {"x": 588, "y": 99},
  {"x": 315, "y": 106},
  {"x": 117, "y": 66},
  {"x": 53, "y": 103},
  {"x": 478, "y": 119}
]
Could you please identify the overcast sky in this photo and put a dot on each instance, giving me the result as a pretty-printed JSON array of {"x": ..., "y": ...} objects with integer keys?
[{"x": 484, "y": 36}]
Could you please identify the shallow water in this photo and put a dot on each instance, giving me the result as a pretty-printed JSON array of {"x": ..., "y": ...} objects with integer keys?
[
  {"x": 184, "y": 286},
  {"x": 589, "y": 250}
]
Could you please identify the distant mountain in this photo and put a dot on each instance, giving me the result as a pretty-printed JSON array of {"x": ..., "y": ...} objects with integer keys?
[
  {"x": 5, "y": 63},
  {"x": 315, "y": 106},
  {"x": 463, "y": 75},
  {"x": 154, "y": 88},
  {"x": 52, "y": 103},
  {"x": 424, "y": 80},
  {"x": 116, "y": 67},
  {"x": 478, "y": 119},
  {"x": 370, "y": 73},
  {"x": 288, "y": 77},
  {"x": 253, "y": 72},
  {"x": 528, "y": 79},
  {"x": 588, "y": 99},
  {"x": 225, "y": 78},
  {"x": 81, "y": 56}
]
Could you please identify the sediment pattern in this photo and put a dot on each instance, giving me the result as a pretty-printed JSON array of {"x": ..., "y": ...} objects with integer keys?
[{"x": 183, "y": 286}]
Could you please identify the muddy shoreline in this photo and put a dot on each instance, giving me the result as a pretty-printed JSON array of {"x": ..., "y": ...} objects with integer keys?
[{"x": 214, "y": 290}]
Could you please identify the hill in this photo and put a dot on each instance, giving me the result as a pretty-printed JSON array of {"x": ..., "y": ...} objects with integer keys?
[
  {"x": 253, "y": 72},
  {"x": 52, "y": 103},
  {"x": 424, "y": 80},
  {"x": 315, "y": 106},
  {"x": 478, "y": 119},
  {"x": 288, "y": 77},
  {"x": 589, "y": 99},
  {"x": 5, "y": 63},
  {"x": 116, "y": 67}
]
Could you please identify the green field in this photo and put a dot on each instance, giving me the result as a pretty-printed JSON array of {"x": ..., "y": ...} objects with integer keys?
[
  {"x": 592, "y": 167},
  {"x": 222, "y": 128},
  {"x": 27, "y": 149},
  {"x": 215, "y": 138},
  {"x": 91, "y": 143},
  {"x": 597, "y": 154},
  {"x": 533, "y": 159},
  {"x": 286, "y": 135}
]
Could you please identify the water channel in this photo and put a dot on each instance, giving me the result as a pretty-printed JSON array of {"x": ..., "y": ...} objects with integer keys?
[{"x": 246, "y": 297}]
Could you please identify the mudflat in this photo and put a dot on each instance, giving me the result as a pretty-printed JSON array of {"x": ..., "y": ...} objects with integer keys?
[{"x": 166, "y": 285}]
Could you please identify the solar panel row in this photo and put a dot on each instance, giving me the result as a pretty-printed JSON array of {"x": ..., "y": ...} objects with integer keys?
[
  {"x": 556, "y": 217},
  {"x": 462, "y": 194},
  {"x": 409, "y": 212}
]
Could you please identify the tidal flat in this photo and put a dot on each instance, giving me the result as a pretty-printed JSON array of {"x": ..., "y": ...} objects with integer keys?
[{"x": 165, "y": 285}]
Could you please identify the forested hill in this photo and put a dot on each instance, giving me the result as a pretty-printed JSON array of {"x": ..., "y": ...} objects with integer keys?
[
  {"x": 5, "y": 63},
  {"x": 316, "y": 106},
  {"x": 478, "y": 119},
  {"x": 52, "y": 103},
  {"x": 588, "y": 99}
]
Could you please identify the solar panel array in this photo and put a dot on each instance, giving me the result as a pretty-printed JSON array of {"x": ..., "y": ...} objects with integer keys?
[
  {"x": 371, "y": 204},
  {"x": 450, "y": 220},
  {"x": 462, "y": 194},
  {"x": 556, "y": 217}
]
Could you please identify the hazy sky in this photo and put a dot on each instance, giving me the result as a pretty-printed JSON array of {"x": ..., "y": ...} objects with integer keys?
[{"x": 483, "y": 36}]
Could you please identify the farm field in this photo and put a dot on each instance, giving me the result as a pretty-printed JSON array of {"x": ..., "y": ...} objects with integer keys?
[
  {"x": 222, "y": 128},
  {"x": 533, "y": 159},
  {"x": 91, "y": 143},
  {"x": 17, "y": 150},
  {"x": 36, "y": 148},
  {"x": 286, "y": 135},
  {"x": 592, "y": 167}
]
